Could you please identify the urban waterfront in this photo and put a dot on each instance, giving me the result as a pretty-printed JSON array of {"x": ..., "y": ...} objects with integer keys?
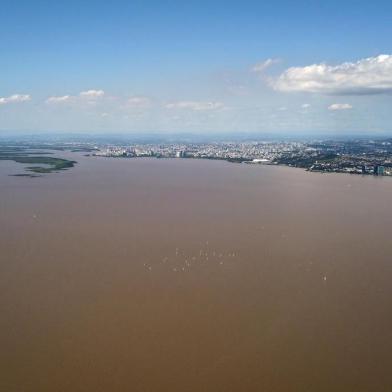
[
  {"x": 353, "y": 156},
  {"x": 365, "y": 156}
]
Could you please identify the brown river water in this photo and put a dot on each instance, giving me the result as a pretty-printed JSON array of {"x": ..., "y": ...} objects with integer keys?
[{"x": 192, "y": 275}]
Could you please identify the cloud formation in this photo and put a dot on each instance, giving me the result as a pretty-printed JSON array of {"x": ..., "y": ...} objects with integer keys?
[
  {"x": 340, "y": 106},
  {"x": 372, "y": 75},
  {"x": 195, "y": 105},
  {"x": 89, "y": 95},
  {"x": 92, "y": 94},
  {"x": 60, "y": 99},
  {"x": 261, "y": 67},
  {"x": 138, "y": 102},
  {"x": 15, "y": 98}
]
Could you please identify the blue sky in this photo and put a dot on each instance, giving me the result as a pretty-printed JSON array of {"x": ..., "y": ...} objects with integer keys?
[{"x": 252, "y": 66}]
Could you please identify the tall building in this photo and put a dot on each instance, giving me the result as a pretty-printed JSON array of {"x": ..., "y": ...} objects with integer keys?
[
  {"x": 180, "y": 154},
  {"x": 379, "y": 170}
]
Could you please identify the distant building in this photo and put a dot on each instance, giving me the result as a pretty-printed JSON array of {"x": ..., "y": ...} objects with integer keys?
[
  {"x": 180, "y": 154},
  {"x": 379, "y": 170},
  {"x": 260, "y": 160}
]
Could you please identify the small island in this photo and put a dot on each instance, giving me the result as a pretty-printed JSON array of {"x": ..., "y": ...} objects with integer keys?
[{"x": 41, "y": 163}]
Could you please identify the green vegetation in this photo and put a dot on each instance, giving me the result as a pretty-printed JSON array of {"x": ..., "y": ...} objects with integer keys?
[
  {"x": 306, "y": 161},
  {"x": 42, "y": 164},
  {"x": 54, "y": 163}
]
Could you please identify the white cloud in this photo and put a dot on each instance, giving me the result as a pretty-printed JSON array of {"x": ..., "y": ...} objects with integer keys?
[
  {"x": 340, "y": 106},
  {"x": 15, "y": 98},
  {"x": 195, "y": 105},
  {"x": 138, "y": 102},
  {"x": 261, "y": 67},
  {"x": 92, "y": 94},
  {"x": 306, "y": 105},
  {"x": 89, "y": 95},
  {"x": 60, "y": 99},
  {"x": 372, "y": 75}
]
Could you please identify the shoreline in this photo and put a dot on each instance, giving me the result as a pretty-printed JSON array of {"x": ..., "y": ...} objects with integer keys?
[{"x": 247, "y": 162}]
